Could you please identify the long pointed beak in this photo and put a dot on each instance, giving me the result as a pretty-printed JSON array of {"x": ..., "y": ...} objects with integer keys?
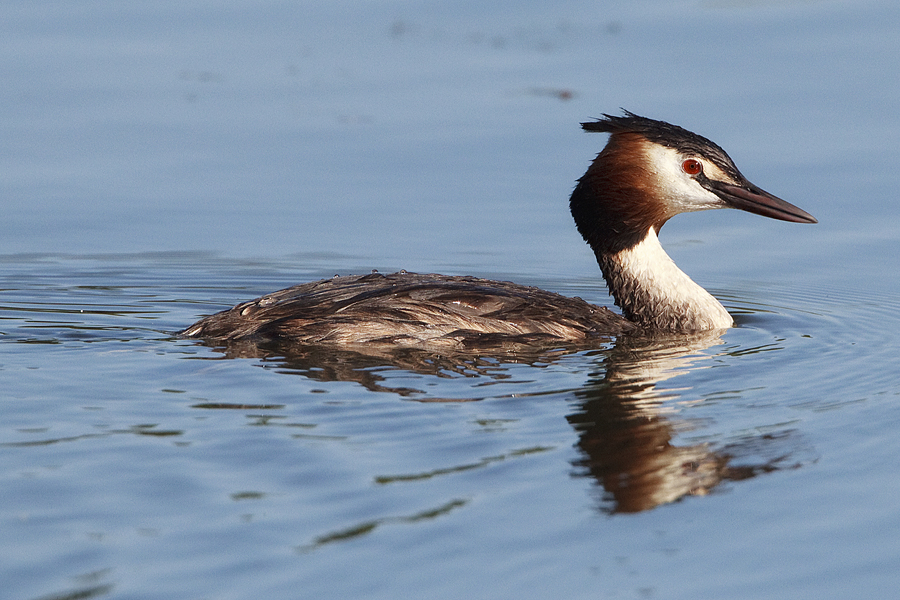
[{"x": 752, "y": 199}]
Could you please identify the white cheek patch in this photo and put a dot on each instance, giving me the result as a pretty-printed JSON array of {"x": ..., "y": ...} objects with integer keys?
[{"x": 680, "y": 190}]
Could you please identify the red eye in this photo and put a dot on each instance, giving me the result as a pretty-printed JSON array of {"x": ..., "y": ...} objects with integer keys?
[{"x": 692, "y": 166}]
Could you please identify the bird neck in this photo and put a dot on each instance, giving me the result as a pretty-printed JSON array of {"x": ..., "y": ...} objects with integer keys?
[{"x": 654, "y": 293}]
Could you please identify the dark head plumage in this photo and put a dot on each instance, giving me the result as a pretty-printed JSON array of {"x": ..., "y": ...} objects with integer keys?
[{"x": 665, "y": 134}]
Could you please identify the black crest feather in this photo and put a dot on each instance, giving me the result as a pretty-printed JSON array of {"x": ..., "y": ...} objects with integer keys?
[{"x": 665, "y": 134}]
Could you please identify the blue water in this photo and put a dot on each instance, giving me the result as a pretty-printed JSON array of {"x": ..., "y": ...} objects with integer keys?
[{"x": 162, "y": 162}]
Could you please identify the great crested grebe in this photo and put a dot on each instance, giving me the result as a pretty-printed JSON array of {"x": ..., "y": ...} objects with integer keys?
[{"x": 648, "y": 172}]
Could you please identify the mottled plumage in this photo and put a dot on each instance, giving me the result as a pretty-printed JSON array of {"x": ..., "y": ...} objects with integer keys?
[{"x": 411, "y": 309}]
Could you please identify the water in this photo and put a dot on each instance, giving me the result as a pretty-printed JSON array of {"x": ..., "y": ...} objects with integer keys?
[{"x": 167, "y": 161}]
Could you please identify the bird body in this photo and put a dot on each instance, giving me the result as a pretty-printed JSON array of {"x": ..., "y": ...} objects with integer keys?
[{"x": 412, "y": 309}]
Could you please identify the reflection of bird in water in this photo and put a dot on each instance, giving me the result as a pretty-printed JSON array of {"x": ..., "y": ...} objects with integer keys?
[
  {"x": 627, "y": 425},
  {"x": 648, "y": 172}
]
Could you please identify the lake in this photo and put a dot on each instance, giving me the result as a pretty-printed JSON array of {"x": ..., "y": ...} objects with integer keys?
[{"x": 167, "y": 161}]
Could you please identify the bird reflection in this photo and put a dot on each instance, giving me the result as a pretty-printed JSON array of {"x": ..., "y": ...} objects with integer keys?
[
  {"x": 626, "y": 422},
  {"x": 625, "y": 433}
]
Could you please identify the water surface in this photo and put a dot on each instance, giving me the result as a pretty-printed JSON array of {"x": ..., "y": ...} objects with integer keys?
[{"x": 163, "y": 162}]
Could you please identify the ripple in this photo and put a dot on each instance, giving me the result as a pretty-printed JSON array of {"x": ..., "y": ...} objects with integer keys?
[{"x": 834, "y": 346}]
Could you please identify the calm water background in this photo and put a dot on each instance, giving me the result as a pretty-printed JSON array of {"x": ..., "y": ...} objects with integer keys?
[{"x": 163, "y": 161}]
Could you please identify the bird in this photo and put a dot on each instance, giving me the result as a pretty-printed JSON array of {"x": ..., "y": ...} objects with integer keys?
[{"x": 648, "y": 172}]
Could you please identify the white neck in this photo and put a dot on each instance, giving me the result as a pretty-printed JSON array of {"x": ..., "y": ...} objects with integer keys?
[{"x": 653, "y": 292}]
